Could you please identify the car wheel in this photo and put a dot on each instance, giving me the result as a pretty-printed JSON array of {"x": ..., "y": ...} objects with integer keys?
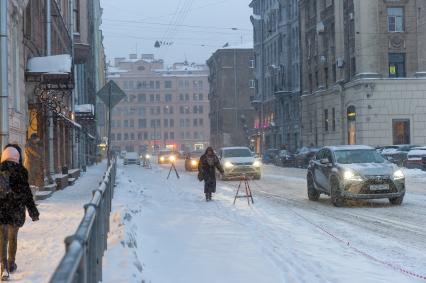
[
  {"x": 396, "y": 201},
  {"x": 336, "y": 195},
  {"x": 257, "y": 177},
  {"x": 313, "y": 194}
]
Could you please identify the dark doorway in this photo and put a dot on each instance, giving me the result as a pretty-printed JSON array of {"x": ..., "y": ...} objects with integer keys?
[{"x": 401, "y": 131}]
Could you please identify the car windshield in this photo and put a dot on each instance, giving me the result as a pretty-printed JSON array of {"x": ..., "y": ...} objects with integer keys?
[
  {"x": 132, "y": 155},
  {"x": 358, "y": 156},
  {"x": 237, "y": 152},
  {"x": 165, "y": 152},
  {"x": 196, "y": 154}
]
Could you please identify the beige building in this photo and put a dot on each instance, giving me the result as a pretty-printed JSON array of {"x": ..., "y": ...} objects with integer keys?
[
  {"x": 164, "y": 107},
  {"x": 363, "y": 72}
]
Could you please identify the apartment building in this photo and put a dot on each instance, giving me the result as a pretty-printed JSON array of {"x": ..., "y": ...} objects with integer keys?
[
  {"x": 164, "y": 107},
  {"x": 277, "y": 61},
  {"x": 232, "y": 84},
  {"x": 363, "y": 72}
]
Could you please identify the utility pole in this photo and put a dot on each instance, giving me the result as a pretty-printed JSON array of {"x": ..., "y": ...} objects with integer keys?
[
  {"x": 50, "y": 113},
  {"x": 4, "y": 90}
]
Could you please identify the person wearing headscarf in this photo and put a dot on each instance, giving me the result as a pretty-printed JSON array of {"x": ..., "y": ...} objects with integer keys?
[
  {"x": 12, "y": 206},
  {"x": 207, "y": 166}
]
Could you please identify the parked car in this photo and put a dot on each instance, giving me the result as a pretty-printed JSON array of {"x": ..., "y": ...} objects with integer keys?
[
  {"x": 284, "y": 158},
  {"x": 303, "y": 156},
  {"x": 166, "y": 156},
  {"x": 269, "y": 155},
  {"x": 415, "y": 158},
  {"x": 239, "y": 161},
  {"x": 397, "y": 153},
  {"x": 123, "y": 154},
  {"x": 192, "y": 159},
  {"x": 132, "y": 158},
  {"x": 354, "y": 172}
]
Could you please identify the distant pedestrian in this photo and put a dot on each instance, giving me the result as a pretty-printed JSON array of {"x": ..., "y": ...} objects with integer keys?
[
  {"x": 207, "y": 166},
  {"x": 15, "y": 196}
]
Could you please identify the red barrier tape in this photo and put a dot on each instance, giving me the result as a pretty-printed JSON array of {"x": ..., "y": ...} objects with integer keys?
[{"x": 347, "y": 243}]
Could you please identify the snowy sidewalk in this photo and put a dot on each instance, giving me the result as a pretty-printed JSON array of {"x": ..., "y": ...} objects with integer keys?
[
  {"x": 41, "y": 244},
  {"x": 163, "y": 231}
]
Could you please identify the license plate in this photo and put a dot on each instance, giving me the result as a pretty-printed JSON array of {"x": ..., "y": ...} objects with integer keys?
[{"x": 383, "y": 187}]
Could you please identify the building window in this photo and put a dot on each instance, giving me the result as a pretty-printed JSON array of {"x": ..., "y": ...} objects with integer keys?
[
  {"x": 157, "y": 98},
  {"x": 395, "y": 19},
  {"x": 326, "y": 120},
  {"x": 251, "y": 64},
  {"x": 401, "y": 131},
  {"x": 142, "y": 123},
  {"x": 151, "y": 98},
  {"x": 396, "y": 65},
  {"x": 333, "y": 125},
  {"x": 252, "y": 84},
  {"x": 166, "y": 123},
  {"x": 326, "y": 77},
  {"x": 119, "y": 137},
  {"x": 166, "y": 136},
  {"x": 168, "y": 84},
  {"x": 200, "y": 97},
  {"x": 132, "y": 123},
  {"x": 168, "y": 97},
  {"x": 126, "y": 136},
  {"x": 157, "y": 84},
  {"x": 76, "y": 13},
  {"x": 172, "y": 135},
  {"x": 172, "y": 123},
  {"x": 186, "y": 97}
]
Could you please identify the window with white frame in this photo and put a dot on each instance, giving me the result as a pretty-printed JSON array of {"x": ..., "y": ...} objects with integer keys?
[
  {"x": 252, "y": 84},
  {"x": 395, "y": 19}
]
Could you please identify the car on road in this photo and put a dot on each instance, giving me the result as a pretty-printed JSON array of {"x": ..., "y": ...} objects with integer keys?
[
  {"x": 284, "y": 158},
  {"x": 269, "y": 155},
  {"x": 397, "y": 153},
  {"x": 192, "y": 159},
  {"x": 415, "y": 158},
  {"x": 238, "y": 162},
  {"x": 123, "y": 154},
  {"x": 166, "y": 156},
  {"x": 354, "y": 172},
  {"x": 303, "y": 156},
  {"x": 132, "y": 158}
]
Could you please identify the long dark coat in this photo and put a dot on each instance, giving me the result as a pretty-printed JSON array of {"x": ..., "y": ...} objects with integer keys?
[
  {"x": 209, "y": 173},
  {"x": 12, "y": 210}
]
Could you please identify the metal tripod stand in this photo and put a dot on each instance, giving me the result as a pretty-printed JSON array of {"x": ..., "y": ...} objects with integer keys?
[
  {"x": 247, "y": 189},
  {"x": 173, "y": 167}
]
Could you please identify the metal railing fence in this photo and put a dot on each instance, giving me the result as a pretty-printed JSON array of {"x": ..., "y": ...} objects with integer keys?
[{"x": 82, "y": 262}]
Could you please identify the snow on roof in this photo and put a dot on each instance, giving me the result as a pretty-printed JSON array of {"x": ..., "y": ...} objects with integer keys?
[
  {"x": 248, "y": 45},
  {"x": 420, "y": 151},
  {"x": 348, "y": 147},
  {"x": 57, "y": 64},
  {"x": 85, "y": 108},
  {"x": 112, "y": 69}
]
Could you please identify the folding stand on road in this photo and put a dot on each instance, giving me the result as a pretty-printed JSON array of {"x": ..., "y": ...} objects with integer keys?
[
  {"x": 147, "y": 164},
  {"x": 248, "y": 194},
  {"x": 170, "y": 171}
]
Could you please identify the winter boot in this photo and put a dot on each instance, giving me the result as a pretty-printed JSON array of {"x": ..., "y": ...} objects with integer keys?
[
  {"x": 12, "y": 266},
  {"x": 210, "y": 196},
  {"x": 4, "y": 273},
  {"x": 207, "y": 197}
]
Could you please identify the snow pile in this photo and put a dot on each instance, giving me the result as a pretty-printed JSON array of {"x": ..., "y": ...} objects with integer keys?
[
  {"x": 85, "y": 108},
  {"x": 57, "y": 64},
  {"x": 41, "y": 244}
]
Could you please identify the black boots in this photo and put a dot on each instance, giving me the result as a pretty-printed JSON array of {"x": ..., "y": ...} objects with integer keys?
[{"x": 208, "y": 196}]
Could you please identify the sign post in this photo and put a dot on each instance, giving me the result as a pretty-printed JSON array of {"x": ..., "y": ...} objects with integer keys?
[{"x": 111, "y": 94}]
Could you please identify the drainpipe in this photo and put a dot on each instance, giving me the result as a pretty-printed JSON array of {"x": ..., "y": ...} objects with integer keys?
[
  {"x": 75, "y": 162},
  {"x": 48, "y": 53},
  {"x": 4, "y": 105}
]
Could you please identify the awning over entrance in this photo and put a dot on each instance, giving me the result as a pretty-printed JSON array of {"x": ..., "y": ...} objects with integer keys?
[{"x": 53, "y": 65}]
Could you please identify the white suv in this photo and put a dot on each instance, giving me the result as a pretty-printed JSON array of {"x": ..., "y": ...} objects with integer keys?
[{"x": 239, "y": 161}]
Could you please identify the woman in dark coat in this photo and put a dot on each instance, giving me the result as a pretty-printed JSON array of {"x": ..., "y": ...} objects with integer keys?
[
  {"x": 207, "y": 166},
  {"x": 12, "y": 207}
]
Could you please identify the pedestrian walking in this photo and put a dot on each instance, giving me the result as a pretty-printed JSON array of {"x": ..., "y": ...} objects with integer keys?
[
  {"x": 15, "y": 197},
  {"x": 207, "y": 166}
]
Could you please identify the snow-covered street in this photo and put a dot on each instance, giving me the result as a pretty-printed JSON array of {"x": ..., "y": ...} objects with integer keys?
[{"x": 164, "y": 231}]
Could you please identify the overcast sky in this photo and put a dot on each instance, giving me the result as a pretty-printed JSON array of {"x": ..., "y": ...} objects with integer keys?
[{"x": 199, "y": 27}]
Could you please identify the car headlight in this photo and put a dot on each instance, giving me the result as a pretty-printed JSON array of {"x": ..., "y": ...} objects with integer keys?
[
  {"x": 162, "y": 158},
  {"x": 147, "y": 156},
  {"x": 228, "y": 164},
  {"x": 172, "y": 158},
  {"x": 257, "y": 163},
  {"x": 349, "y": 175},
  {"x": 398, "y": 175},
  {"x": 194, "y": 162}
]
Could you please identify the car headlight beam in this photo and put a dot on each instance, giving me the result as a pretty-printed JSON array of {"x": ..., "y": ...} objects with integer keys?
[
  {"x": 228, "y": 164},
  {"x": 147, "y": 156},
  {"x": 172, "y": 158},
  {"x": 194, "y": 162},
  {"x": 349, "y": 175},
  {"x": 398, "y": 175},
  {"x": 257, "y": 163}
]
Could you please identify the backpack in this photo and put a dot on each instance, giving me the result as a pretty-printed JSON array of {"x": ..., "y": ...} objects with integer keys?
[{"x": 5, "y": 189}]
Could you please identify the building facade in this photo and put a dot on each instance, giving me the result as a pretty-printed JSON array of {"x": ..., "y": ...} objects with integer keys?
[
  {"x": 363, "y": 72},
  {"x": 164, "y": 107},
  {"x": 232, "y": 84},
  {"x": 277, "y": 99}
]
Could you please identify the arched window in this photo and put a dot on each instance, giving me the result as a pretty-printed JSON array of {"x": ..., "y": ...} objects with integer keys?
[{"x": 351, "y": 117}]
